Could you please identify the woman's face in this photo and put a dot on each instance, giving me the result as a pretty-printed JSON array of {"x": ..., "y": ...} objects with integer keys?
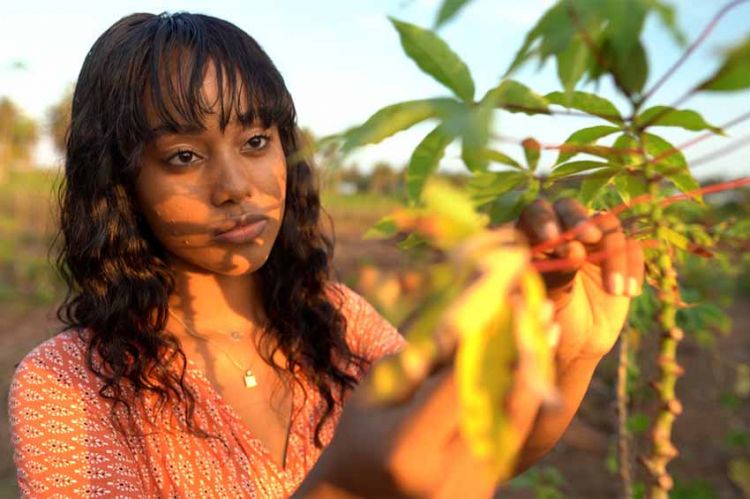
[{"x": 198, "y": 190}]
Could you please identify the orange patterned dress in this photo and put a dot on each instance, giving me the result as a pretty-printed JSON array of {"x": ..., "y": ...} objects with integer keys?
[{"x": 65, "y": 445}]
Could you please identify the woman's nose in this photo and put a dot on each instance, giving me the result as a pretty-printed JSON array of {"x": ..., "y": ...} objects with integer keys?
[{"x": 230, "y": 181}]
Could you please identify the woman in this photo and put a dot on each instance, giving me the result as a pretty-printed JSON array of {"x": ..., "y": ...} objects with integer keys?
[{"x": 206, "y": 350}]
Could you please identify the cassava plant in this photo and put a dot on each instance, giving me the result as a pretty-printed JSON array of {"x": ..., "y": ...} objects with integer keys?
[{"x": 634, "y": 173}]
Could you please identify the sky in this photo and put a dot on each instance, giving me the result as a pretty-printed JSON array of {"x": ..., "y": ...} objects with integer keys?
[{"x": 342, "y": 61}]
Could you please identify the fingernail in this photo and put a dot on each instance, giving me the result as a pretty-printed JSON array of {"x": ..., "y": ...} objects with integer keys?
[
  {"x": 616, "y": 283},
  {"x": 633, "y": 288},
  {"x": 553, "y": 336}
]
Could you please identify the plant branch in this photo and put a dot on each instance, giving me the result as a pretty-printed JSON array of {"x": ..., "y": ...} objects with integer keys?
[
  {"x": 570, "y": 234},
  {"x": 729, "y": 148},
  {"x": 623, "y": 434},
  {"x": 698, "y": 41}
]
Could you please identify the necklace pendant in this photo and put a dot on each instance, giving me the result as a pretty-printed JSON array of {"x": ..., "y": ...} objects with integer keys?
[{"x": 250, "y": 380}]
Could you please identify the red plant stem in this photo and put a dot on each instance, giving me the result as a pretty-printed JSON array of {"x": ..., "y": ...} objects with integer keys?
[
  {"x": 572, "y": 233},
  {"x": 738, "y": 144},
  {"x": 701, "y": 38},
  {"x": 582, "y": 148},
  {"x": 563, "y": 264}
]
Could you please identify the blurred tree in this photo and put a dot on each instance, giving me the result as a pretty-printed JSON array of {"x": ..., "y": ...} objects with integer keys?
[
  {"x": 384, "y": 179},
  {"x": 58, "y": 119},
  {"x": 18, "y": 134},
  {"x": 352, "y": 176}
]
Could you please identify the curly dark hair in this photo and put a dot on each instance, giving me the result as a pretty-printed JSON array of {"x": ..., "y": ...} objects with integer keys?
[{"x": 118, "y": 281}]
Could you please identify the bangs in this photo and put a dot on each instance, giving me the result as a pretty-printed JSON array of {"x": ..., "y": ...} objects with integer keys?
[{"x": 182, "y": 47}]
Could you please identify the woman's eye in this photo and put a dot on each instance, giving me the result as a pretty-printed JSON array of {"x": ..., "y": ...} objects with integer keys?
[
  {"x": 258, "y": 142},
  {"x": 183, "y": 158}
]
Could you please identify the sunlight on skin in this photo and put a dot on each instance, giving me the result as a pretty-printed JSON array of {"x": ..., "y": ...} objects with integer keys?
[{"x": 188, "y": 197}]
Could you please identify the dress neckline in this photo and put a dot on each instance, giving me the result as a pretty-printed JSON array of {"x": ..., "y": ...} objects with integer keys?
[{"x": 289, "y": 464}]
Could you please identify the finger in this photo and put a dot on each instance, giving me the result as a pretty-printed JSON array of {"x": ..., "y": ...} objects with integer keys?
[
  {"x": 575, "y": 254},
  {"x": 635, "y": 267},
  {"x": 539, "y": 222},
  {"x": 573, "y": 215},
  {"x": 615, "y": 264}
]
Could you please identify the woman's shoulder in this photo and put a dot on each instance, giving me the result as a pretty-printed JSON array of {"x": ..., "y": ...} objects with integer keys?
[
  {"x": 368, "y": 333},
  {"x": 55, "y": 368},
  {"x": 59, "y": 353},
  {"x": 63, "y": 442}
]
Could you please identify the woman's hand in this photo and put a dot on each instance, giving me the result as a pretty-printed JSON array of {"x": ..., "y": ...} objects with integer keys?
[
  {"x": 591, "y": 299},
  {"x": 415, "y": 448}
]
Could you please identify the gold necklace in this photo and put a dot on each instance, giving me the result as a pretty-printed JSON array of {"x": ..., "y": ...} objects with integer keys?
[{"x": 249, "y": 377}]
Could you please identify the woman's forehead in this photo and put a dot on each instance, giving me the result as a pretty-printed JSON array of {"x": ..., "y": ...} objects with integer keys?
[{"x": 186, "y": 112}]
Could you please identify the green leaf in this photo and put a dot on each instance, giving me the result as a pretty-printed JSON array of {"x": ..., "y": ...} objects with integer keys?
[
  {"x": 734, "y": 73},
  {"x": 448, "y": 10},
  {"x": 574, "y": 167},
  {"x": 413, "y": 240},
  {"x": 593, "y": 185},
  {"x": 383, "y": 229},
  {"x": 626, "y": 20},
  {"x": 685, "y": 182},
  {"x": 398, "y": 117},
  {"x": 581, "y": 137},
  {"x": 485, "y": 187},
  {"x": 551, "y": 33},
  {"x": 664, "y": 233},
  {"x": 668, "y": 18},
  {"x": 532, "y": 151},
  {"x": 671, "y": 163},
  {"x": 495, "y": 156},
  {"x": 609, "y": 30},
  {"x": 631, "y": 72},
  {"x": 516, "y": 97},
  {"x": 508, "y": 207},
  {"x": 669, "y": 116},
  {"x": 425, "y": 159},
  {"x": 588, "y": 103},
  {"x": 436, "y": 58},
  {"x": 630, "y": 186},
  {"x": 626, "y": 151},
  {"x": 572, "y": 64},
  {"x": 475, "y": 136}
]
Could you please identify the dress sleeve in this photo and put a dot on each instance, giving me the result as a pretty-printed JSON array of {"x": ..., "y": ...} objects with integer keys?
[
  {"x": 369, "y": 334},
  {"x": 62, "y": 444}
]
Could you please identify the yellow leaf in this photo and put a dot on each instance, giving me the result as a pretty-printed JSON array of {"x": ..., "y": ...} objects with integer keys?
[{"x": 484, "y": 366}]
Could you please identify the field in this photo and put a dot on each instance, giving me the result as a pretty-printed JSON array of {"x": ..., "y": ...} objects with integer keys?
[{"x": 579, "y": 467}]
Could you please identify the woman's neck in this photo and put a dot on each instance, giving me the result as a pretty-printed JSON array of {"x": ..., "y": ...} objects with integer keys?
[{"x": 215, "y": 305}]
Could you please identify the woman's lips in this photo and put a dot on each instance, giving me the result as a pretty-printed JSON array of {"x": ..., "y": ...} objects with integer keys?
[{"x": 243, "y": 234}]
